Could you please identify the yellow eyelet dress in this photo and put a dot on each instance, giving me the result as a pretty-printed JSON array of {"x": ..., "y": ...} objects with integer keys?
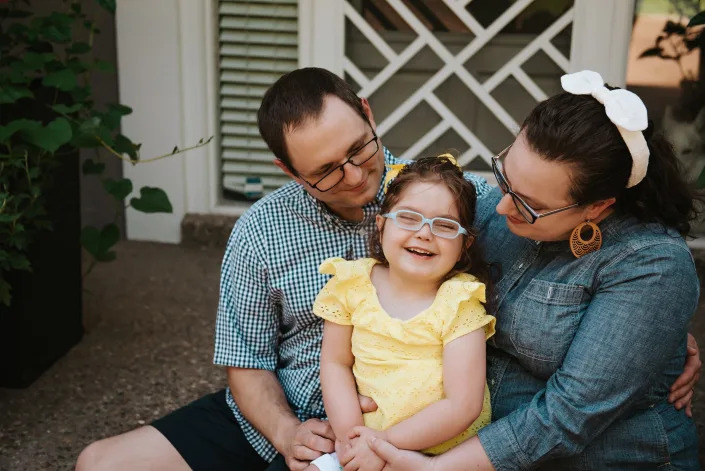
[{"x": 399, "y": 363}]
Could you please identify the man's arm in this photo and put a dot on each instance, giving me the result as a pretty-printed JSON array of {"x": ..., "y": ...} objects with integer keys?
[{"x": 261, "y": 400}]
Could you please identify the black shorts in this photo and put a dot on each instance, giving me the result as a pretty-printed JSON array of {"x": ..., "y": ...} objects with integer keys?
[{"x": 209, "y": 438}]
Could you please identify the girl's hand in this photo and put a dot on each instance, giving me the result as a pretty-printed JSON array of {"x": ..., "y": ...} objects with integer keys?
[
  {"x": 359, "y": 457},
  {"x": 400, "y": 460}
]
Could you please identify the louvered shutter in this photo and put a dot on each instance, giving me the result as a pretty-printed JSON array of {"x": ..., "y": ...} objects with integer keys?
[{"x": 258, "y": 43}]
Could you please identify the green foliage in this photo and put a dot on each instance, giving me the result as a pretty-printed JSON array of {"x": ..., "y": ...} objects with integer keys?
[{"x": 47, "y": 111}]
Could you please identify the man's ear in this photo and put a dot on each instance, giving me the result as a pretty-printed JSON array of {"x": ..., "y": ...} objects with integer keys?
[
  {"x": 285, "y": 169},
  {"x": 368, "y": 112}
]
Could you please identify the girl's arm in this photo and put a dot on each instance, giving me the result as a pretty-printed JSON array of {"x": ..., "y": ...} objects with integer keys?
[
  {"x": 337, "y": 380},
  {"x": 464, "y": 387}
]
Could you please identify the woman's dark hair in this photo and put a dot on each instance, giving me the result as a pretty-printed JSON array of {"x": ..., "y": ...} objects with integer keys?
[
  {"x": 574, "y": 129},
  {"x": 441, "y": 170},
  {"x": 296, "y": 97}
]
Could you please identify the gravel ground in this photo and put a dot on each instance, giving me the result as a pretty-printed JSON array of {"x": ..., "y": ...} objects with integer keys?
[{"x": 149, "y": 320}]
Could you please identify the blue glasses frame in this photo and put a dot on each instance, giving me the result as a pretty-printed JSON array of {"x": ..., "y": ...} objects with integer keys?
[{"x": 424, "y": 220}]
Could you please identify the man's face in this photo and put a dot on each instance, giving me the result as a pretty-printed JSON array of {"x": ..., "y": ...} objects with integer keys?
[{"x": 321, "y": 144}]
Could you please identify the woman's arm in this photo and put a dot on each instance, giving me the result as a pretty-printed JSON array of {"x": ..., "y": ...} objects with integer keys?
[
  {"x": 635, "y": 323},
  {"x": 464, "y": 388},
  {"x": 337, "y": 381}
]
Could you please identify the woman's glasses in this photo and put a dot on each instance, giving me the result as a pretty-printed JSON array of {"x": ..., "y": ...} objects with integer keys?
[
  {"x": 413, "y": 221},
  {"x": 526, "y": 211}
]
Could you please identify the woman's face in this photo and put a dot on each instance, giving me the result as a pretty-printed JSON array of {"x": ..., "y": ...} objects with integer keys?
[
  {"x": 544, "y": 185},
  {"x": 421, "y": 255}
]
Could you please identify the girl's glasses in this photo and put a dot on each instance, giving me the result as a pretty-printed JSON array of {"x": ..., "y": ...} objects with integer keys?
[
  {"x": 526, "y": 211},
  {"x": 413, "y": 221}
]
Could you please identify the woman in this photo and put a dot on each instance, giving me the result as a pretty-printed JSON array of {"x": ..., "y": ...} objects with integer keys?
[{"x": 589, "y": 337}]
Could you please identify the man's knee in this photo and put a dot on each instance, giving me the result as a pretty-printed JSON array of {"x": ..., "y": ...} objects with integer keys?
[
  {"x": 90, "y": 457},
  {"x": 144, "y": 447}
]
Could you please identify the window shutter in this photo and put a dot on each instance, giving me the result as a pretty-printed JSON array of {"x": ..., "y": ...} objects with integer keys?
[{"x": 258, "y": 42}]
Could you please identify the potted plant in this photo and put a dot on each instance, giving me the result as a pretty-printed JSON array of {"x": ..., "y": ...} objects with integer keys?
[{"x": 47, "y": 114}]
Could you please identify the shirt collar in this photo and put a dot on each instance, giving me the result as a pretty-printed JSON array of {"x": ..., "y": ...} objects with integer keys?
[{"x": 369, "y": 210}]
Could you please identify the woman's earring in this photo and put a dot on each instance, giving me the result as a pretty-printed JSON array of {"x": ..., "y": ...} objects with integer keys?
[{"x": 580, "y": 246}]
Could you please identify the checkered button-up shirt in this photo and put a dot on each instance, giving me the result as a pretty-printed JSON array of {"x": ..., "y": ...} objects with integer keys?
[{"x": 269, "y": 281}]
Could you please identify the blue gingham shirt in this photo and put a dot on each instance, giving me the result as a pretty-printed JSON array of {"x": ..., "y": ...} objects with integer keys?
[{"x": 269, "y": 281}]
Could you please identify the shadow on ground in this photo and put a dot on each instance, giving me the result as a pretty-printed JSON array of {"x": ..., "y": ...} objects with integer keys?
[{"x": 149, "y": 320}]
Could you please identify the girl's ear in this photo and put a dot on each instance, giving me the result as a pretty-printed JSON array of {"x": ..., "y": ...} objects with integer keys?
[
  {"x": 379, "y": 221},
  {"x": 466, "y": 245}
]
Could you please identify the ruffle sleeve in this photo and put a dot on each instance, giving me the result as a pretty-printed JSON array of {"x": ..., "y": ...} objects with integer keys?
[
  {"x": 336, "y": 301},
  {"x": 463, "y": 312}
]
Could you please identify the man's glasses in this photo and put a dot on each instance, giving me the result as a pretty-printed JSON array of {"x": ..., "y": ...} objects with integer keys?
[
  {"x": 527, "y": 212},
  {"x": 359, "y": 157},
  {"x": 413, "y": 221}
]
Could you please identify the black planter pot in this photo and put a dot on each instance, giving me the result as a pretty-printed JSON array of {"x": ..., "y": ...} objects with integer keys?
[{"x": 45, "y": 318}]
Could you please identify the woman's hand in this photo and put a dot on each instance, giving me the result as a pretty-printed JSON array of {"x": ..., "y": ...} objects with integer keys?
[
  {"x": 400, "y": 460},
  {"x": 682, "y": 390}
]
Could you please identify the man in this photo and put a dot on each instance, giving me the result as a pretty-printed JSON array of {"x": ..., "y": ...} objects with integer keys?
[{"x": 323, "y": 136}]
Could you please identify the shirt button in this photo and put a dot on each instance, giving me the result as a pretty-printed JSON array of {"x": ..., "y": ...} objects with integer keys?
[{"x": 492, "y": 382}]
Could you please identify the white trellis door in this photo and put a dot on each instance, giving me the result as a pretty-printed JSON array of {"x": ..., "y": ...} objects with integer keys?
[{"x": 460, "y": 74}]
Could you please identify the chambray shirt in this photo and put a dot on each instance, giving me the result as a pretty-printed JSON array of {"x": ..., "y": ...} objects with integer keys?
[
  {"x": 586, "y": 349},
  {"x": 269, "y": 281}
]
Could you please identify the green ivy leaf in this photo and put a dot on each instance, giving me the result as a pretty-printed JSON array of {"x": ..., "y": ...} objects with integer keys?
[
  {"x": 698, "y": 19},
  {"x": 5, "y": 290},
  {"x": 18, "y": 261},
  {"x": 152, "y": 200},
  {"x": 79, "y": 48},
  {"x": 91, "y": 167},
  {"x": 121, "y": 109},
  {"x": 120, "y": 189},
  {"x": 64, "y": 79},
  {"x": 124, "y": 145},
  {"x": 18, "y": 125},
  {"x": 11, "y": 93},
  {"x": 98, "y": 243},
  {"x": 50, "y": 137},
  {"x": 108, "y": 5},
  {"x": 36, "y": 60},
  {"x": 104, "y": 66},
  {"x": 67, "y": 109}
]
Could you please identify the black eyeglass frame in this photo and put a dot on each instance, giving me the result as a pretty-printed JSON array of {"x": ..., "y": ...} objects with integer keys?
[
  {"x": 503, "y": 184},
  {"x": 341, "y": 167}
]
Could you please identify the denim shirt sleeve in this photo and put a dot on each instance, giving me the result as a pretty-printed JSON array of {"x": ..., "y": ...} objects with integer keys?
[
  {"x": 246, "y": 329},
  {"x": 636, "y": 320},
  {"x": 481, "y": 185}
]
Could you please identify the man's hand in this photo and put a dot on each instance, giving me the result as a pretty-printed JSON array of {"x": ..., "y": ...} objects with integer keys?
[
  {"x": 305, "y": 442},
  {"x": 682, "y": 390},
  {"x": 367, "y": 404}
]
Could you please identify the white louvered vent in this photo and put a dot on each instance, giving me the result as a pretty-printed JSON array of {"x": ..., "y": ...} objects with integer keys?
[{"x": 258, "y": 43}]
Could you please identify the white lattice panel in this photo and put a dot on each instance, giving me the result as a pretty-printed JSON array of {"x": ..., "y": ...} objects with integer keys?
[{"x": 453, "y": 64}]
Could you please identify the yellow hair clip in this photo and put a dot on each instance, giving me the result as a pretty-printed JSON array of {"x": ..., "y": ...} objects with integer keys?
[
  {"x": 452, "y": 160},
  {"x": 392, "y": 172},
  {"x": 394, "y": 169}
]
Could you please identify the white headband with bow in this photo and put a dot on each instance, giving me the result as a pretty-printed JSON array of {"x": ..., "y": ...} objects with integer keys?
[{"x": 624, "y": 109}]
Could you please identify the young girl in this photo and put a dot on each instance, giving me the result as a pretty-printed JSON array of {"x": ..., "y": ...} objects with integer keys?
[{"x": 407, "y": 327}]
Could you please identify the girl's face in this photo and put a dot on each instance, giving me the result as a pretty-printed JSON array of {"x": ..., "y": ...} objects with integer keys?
[{"x": 421, "y": 255}]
